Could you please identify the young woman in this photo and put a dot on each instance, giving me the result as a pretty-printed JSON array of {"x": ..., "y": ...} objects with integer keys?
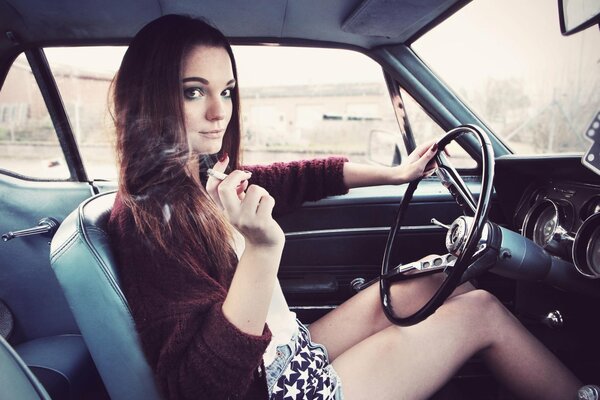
[{"x": 199, "y": 256}]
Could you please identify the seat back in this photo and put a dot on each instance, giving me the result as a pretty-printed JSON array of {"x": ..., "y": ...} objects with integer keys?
[
  {"x": 16, "y": 380},
  {"x": 85, "y": 267}
]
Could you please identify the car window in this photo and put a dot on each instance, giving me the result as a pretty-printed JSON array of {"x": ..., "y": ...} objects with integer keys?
[
  {"x": 309, "y": 102},
  {"x": 296, "y": 103},
  {"x": 536, "y": 89},
  {"x": 28, "y": 141},
  {"x": 83, "y": 76}
]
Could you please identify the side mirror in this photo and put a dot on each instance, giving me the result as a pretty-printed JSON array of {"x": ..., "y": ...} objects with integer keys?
[
  {"x": 577, "y": 15},
  {"x": 383, "y": 148}
]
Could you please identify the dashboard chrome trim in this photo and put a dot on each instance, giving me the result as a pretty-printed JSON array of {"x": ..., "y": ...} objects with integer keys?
[
  {"x": 558, "y": 241},
  {"x": 584, "y": 241}
]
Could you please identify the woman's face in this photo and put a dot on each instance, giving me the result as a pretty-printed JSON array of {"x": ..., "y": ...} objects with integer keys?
[{"x": 207, "y": 84}]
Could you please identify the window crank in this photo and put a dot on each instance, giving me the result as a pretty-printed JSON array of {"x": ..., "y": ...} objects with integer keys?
[
  {"x": 438, "y": 223},
  {"x": 46, "y": 225}
]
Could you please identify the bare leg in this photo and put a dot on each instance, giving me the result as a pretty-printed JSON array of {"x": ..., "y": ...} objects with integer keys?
[
  {"x": 413, "y": 362},
  {"x": 361, "y": 316}
]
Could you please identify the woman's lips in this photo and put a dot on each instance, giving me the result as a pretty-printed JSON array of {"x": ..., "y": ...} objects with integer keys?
[{"x": 216, "y": 133}]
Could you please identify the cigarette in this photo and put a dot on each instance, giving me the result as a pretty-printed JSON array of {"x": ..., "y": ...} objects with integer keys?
[{"x": 216, "y": 174}]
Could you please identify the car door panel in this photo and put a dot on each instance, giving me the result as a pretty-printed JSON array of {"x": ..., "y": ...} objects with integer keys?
[
  {"x": 27, "y": 284},
  {"x": 328, "y": 244},
  {"x": 331, "y": 242}
]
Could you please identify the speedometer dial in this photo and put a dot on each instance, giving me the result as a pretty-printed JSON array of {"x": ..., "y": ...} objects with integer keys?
[
  {"x": 545, "y": 225},
  {"x": 593, "y": 251},
  {"x": 586, "y": 249}
]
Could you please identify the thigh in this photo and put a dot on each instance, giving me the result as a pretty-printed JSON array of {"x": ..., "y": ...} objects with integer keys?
[
  {"x": 362, "y": 316},
  {"x": 413, "y": 362}
]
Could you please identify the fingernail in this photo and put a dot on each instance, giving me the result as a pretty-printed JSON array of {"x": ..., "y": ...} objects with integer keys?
[
  {"x": 434, "y": 147},
  {"x": 223, "y": 156}
]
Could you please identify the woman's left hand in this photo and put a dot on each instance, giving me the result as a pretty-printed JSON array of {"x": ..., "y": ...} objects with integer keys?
[{"x": 418, "y": 164}]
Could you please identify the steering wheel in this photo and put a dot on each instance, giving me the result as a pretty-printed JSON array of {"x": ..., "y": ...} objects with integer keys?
[{"x": 468, "y": 251}]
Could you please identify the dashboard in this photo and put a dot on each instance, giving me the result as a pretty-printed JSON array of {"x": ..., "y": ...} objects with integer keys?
[{"x": 564, "y": 218}]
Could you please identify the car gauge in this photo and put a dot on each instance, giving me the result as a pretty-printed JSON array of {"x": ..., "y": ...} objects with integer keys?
[
  {"x": 547, "y": 224},
  {"x": 586, "y": 249}
]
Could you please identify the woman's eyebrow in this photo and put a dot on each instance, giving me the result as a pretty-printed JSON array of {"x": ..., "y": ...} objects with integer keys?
[
  {"x": 196, "y": 78},
  {"x": 204, "y": 81}
]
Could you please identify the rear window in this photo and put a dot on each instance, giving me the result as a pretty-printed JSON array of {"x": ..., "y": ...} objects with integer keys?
[{"x": 28, "y": 142}]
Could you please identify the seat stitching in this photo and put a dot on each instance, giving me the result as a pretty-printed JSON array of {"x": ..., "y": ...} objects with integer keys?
[
  {"x": 101, "y": 264},
  {"x": 63, "y": 247}
]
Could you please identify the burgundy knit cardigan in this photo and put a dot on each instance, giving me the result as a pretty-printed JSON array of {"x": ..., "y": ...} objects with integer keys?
[{"x": 194, "y": 351}]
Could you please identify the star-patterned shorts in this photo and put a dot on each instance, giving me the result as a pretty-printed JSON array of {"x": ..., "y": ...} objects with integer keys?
[{"x": 301, "y": 371}]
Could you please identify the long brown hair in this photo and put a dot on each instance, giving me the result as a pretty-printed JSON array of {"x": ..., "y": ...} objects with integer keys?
[{"x": 172, "y": 211}]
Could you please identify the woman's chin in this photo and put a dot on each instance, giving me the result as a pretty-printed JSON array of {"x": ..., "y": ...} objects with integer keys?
[{"x": 204, "y": 150}]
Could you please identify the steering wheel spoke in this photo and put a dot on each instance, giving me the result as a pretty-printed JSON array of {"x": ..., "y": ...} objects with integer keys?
[
  {"x": 452, "y": 181},
  {"x": 467, "y": 251},
  {"x": 429, "y": 263},
  {"x": 424, "y": 266}
]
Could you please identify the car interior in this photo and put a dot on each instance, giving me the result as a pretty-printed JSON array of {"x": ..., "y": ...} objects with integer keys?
[{"x": 532, "y": 217}]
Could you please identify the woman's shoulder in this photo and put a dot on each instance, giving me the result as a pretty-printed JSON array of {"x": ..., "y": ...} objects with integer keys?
[{"x": 121, "y": 221}]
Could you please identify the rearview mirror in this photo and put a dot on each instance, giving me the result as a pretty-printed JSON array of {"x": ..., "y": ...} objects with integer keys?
[
  {"x": 576, "y": 15},
  {"x": 383, "y": 148}
]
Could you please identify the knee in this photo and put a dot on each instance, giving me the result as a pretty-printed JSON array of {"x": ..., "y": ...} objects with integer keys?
[
  {"x": 480, "y": 299},
  {"x": 408, "y": 297},
  {"x": 421, "y": 286},
  {"x": 483, "y": 305}
]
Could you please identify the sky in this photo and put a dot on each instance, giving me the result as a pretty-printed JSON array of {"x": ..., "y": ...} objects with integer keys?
[
  {"x": 316, "y": 66},
  {"x": 479, "y": 45}
]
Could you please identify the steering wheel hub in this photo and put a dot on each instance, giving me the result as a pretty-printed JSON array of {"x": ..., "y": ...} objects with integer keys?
[{"x": 457, "y": 235}]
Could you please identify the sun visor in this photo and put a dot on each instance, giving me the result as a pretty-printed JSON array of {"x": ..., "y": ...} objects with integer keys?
[{"x": 396, "y": 19}]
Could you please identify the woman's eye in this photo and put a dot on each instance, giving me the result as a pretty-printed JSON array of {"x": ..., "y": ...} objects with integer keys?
[
  {"x": 193, "y": 93},
  {"x": 226, "y": 92}
]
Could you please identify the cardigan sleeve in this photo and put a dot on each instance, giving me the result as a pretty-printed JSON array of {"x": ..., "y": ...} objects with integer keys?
[
  {"x": 295, "y": 182},
  {"x": 201, "y": 355},
  {"x": 194, "y": 351}
]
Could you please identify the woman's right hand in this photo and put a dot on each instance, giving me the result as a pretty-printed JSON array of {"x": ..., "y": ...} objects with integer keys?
[{"x": 250, "y": 211}]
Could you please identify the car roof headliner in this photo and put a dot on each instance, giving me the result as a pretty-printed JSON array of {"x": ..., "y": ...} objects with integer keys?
[{"x": 362, "y": 23}]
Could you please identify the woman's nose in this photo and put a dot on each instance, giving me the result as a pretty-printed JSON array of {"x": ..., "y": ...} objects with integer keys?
[{"x": 216, "y": 110}]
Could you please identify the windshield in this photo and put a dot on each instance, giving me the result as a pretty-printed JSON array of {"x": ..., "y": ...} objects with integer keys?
[{"x": 536, "y": 89}]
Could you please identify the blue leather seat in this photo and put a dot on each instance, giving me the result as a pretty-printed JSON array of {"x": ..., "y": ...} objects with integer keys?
[
  {"x": 16, "y": 380},
  {"x": 85, "y": 266}
]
